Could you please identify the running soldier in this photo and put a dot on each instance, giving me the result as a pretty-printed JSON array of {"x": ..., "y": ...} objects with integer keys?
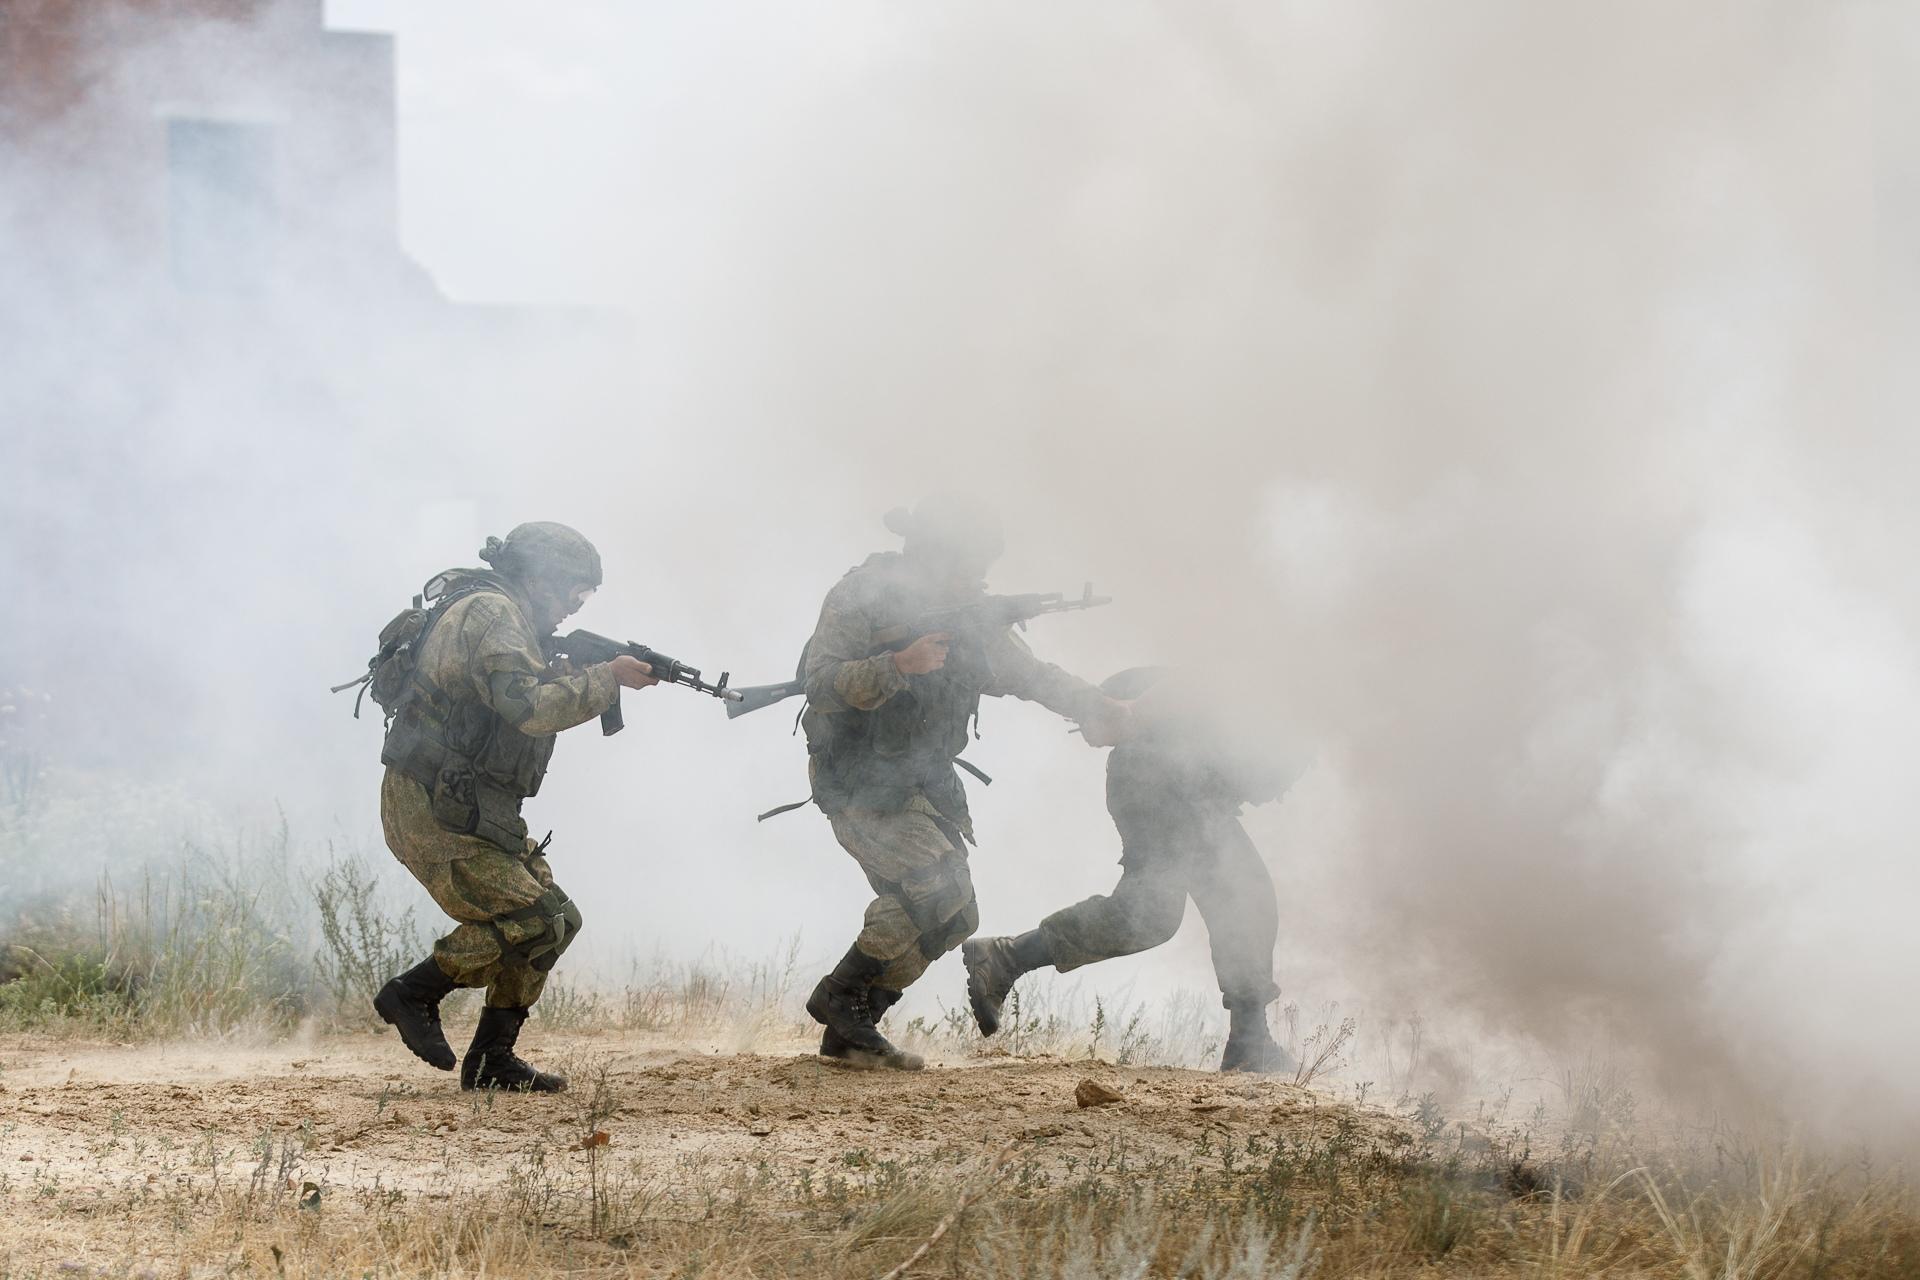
[
  {"x": 885, "y": 723},
  {"x": 1175, "y": 789},
  {"x": 474, "y": 707}
]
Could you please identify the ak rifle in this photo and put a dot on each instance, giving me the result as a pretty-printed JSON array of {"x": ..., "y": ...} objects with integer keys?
[
  {"x": 584, "y": 649},
  {"x": 975, "y": 617}
]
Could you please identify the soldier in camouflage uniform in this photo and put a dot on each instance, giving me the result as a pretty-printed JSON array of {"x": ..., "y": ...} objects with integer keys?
[
  {"x": 471, "y": 733},
  {"x": 883, "y": 730},
  {"x": 1175, "y": 790}
]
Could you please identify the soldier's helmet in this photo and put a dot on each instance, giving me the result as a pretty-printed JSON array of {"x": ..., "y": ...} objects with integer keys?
[
  {"x": 950, "y": 526},
  {"x": 544, "y": 552}
]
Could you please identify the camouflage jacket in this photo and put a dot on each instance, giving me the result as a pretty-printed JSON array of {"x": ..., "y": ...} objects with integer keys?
[
  {"x": 882, "y": 740},
  {"x": 477, "y": 729}
]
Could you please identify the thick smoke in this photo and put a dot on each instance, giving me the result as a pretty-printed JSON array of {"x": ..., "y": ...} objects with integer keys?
[{"x": 1501, "y": 397}]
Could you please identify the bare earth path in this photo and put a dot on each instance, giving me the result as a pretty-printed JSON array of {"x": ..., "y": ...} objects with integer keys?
[{"x": 97, "y": 1139}]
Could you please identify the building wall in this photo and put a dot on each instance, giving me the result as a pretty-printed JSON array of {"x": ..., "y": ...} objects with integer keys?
[{"x": 149, "y": 132}]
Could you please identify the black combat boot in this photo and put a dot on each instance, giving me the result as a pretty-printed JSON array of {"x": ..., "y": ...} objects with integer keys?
[
  {"x": 1250, "y": 1045},
  {"x": 411, "y": 1005},
  {"x": 879, "y": 1000},
  {"x": 993, "y": 966},
  {"x": 491, "y": 1062},
  {"x": 845, "y": 1003}
]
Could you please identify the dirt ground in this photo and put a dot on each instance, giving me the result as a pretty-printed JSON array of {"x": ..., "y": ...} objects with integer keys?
[{"x": 93, "y": 1124}]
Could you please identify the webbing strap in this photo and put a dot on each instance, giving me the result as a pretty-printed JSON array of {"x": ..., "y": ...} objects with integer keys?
[
  {"x": 785, "y": 808},
  {"x": 975, "y": 770}
]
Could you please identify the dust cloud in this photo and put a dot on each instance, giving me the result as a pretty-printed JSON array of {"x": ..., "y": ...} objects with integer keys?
[{"x": 1502, "y": 398}]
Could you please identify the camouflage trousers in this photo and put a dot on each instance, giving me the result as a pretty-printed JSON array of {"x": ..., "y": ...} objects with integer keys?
[
  {"x": 1213, "y": 862},
  {"x": 924, "y": 907},
  {"x": 512, "y": 924}
]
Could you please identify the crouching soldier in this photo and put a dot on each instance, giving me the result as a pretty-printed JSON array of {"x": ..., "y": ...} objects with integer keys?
[
  {"x": 474, "y": 707},
  {"x": 889, "y": 700},
  {"x": 1174, "y": 788}
]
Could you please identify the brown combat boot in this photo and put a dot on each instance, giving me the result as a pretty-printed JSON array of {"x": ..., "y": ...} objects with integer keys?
[{"x": 844, "y": 1002}]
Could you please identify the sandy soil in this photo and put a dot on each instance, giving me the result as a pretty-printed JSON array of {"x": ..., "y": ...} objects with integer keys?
[{"x": 353, "y": 1114}]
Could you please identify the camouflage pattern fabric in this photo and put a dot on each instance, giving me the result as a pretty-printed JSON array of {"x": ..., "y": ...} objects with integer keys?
[
  {"x": 485, "y": 649},
  {"x": 913, "y": 759},
  {"x": 484, "y": 654},
  {"x": 917, "y": 865},
  {"x": 894, "y": 800},
  {"x": 1180, "y": 837},
  {"x": 479, "y": 885}
]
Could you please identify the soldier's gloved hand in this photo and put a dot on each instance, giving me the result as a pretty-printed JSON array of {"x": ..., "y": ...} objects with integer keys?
[
  {"x": 632, "y": 672},
  {"x": 1109, "y": 726},
  {"x": 928, "y": 653}
]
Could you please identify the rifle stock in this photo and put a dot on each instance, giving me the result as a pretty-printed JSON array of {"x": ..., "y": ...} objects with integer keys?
[{"x": 754, "y": 697}]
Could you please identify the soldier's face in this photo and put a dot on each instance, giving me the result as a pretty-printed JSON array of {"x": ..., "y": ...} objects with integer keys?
[
  {"x": 957, "y": 567},
  {"x": 555, "y": 605}
]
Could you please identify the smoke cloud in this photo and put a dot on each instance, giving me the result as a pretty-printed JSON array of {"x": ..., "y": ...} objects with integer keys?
[{"x": 1502, "y": 398}]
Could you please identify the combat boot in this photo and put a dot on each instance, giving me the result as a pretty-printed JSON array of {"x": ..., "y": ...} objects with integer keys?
[
  {"x": 993, "y": 966},
  {"x": 879, "y": 1000},
  {"x": 491, "y": 1062},
  {"x": 411, "y": 1005},
  {"x": 845, "y": 1003},
  {"x": 1250, "y": 1045}
]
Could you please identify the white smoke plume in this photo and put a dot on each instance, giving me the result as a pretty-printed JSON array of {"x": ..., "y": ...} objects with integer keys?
[{"x": 1504, "y": 398}]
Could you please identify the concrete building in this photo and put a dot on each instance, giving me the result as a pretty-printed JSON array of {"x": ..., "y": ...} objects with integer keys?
[{"x": 210, "y": 147}]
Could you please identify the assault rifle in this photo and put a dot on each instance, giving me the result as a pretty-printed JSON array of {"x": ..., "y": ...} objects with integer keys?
[
  {"x": 984, "y": 615},
  {"x": 584, "y": 648}
]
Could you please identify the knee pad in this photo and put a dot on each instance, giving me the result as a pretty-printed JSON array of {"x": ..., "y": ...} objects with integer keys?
[
  {"x": 937, "y": 895},
  {"x": 950, "y": 933},
  {"x": 559, "y": 919}
]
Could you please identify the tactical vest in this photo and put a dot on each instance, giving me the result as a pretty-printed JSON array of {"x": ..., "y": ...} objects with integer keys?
[
  {"x": 880, "y": 759},
  {"x": 477, "y": 768}
]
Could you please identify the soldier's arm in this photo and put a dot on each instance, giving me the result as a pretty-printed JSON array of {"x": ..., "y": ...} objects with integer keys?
[
  {"x": 839, "y": 675},
  {"x": 1017, "y": 673},
  {"x": 512, "y": 677}
]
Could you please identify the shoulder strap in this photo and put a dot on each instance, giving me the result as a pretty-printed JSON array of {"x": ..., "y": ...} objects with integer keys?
[
  {"x": 444, "y": 590},
  {"x": 785, "y": 808}
]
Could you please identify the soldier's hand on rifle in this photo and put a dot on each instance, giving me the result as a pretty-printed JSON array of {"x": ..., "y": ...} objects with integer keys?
[
  {"x": 1111, "y": 725},
  {"x": 632, "y": 672},
  {"x": 928, "y": 653}
]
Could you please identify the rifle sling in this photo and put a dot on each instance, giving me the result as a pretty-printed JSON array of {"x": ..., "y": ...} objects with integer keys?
[
  {"x": 785, "y": 808},
  {"x": 975, "y": 770},
  {"x": 775, "y": 812}
]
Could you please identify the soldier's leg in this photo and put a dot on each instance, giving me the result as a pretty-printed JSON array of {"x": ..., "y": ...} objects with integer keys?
[
  {"x": 514, "y": 923},
  {"x": 531, "y": 938},
  {"x": 513, "y": 920},
  {"x": 410, "y": 1002},
  {"x": 1235, "y": 894},
  {"x": 923, "y": 907},
  {"x": 1143, "y": 911}
]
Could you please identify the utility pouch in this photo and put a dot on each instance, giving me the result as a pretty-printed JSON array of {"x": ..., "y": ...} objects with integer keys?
[
  {"x": 454, "y": 805},
  {"x": 499, "y": 820}
]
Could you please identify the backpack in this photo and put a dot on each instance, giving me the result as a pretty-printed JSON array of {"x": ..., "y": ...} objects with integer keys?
[{"x": 389, "y": 674}]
